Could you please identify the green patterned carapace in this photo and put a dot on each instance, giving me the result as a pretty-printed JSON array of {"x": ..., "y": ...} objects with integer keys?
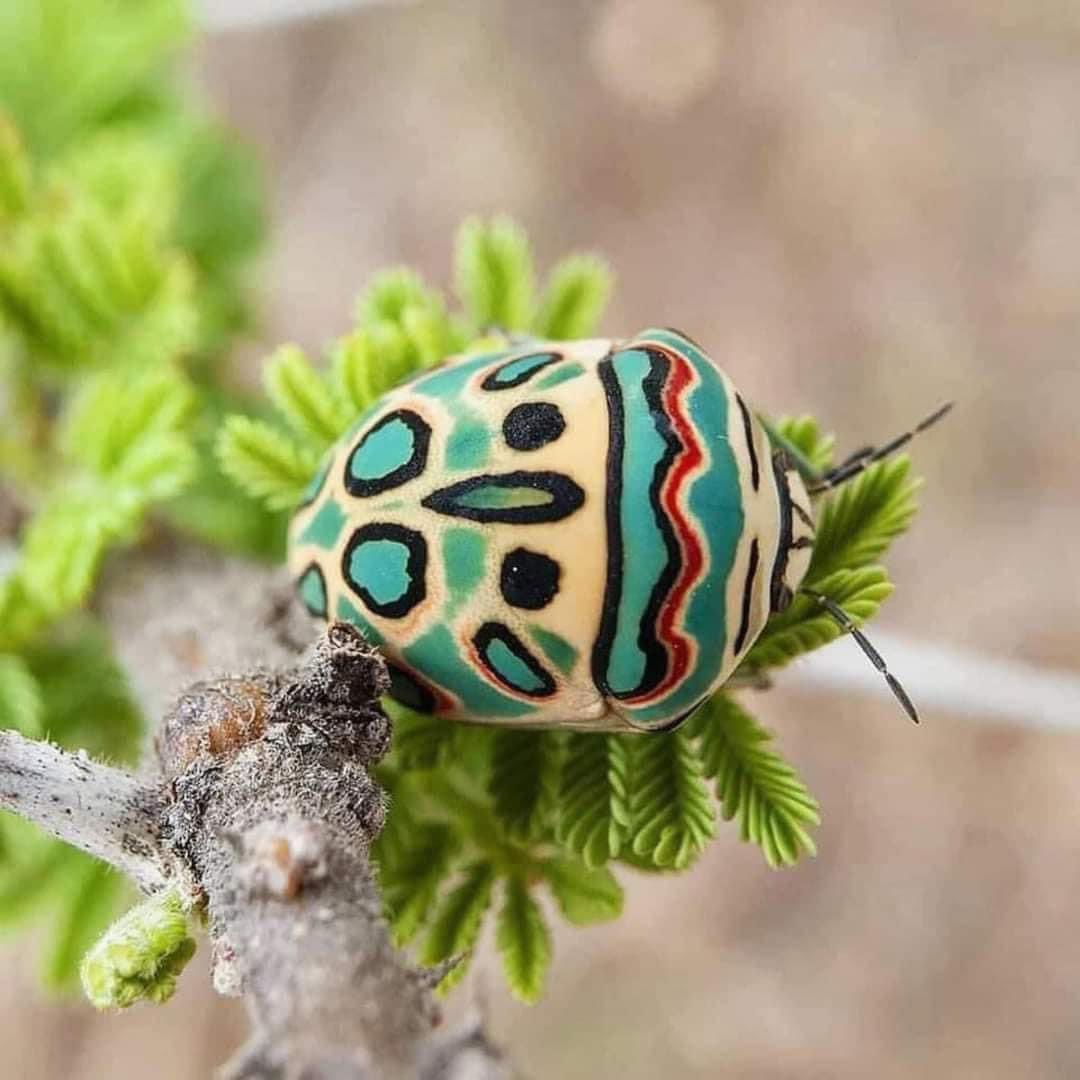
[{"x": 582, "y": 534}]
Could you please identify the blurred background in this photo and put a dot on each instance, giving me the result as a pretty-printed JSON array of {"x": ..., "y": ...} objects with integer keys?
[{"x": 860, "y": 209}]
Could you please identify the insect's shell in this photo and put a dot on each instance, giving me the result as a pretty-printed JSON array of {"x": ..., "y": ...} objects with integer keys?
[{"x": 587, "y": 534}]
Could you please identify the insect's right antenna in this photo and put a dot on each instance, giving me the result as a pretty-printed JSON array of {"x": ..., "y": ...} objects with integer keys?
[
  {"x": 870, "y": 455},
  {"x": 840, "y": 616}
]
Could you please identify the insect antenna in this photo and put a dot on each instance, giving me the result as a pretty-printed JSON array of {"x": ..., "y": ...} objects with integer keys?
[
  {"x": 870, "y": 455},
  {"x": 840, "y": 616}
]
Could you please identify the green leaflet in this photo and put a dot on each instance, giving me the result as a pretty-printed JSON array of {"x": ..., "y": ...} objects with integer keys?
[
  {"x": 457, "y": 922},
  {"x": 493, "y": 274},
  {"x": 593, "y": 810},
  {"x": 585, "y": 896},
  {"x": 671, "y": 814},
  {"x": 754, "y": 784},
  {"x": 577, "y": 293},
  {"x": 524, "y": 779},
  {"x": 524, "y": 941}
]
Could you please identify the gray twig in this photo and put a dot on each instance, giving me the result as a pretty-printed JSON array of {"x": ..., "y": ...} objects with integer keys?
[
  {"x": 264, "y": 808},
  {"x": 104, "y": 811}
]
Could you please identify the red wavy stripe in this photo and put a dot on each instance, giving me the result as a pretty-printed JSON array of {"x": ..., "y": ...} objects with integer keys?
[{"x": 682, "y": 470}]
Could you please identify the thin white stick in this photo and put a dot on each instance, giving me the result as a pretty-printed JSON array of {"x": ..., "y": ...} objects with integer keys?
[
  {"x": 236, "y": 14},
  {"x": 946, "y": 679}
]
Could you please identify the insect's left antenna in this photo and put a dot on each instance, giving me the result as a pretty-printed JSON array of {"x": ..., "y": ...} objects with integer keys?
[
  {"x": 841, "y": 618},
  {"x": 870, "y": 455}
]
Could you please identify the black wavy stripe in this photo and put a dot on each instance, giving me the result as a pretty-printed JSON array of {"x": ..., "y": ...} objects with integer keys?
[
  {"x": 609, "y": 610},
  {"x": 656, "y": 656}
]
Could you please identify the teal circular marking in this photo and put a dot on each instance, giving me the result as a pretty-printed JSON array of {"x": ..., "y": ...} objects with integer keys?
[
  {"x": 389, "y": 454},
  {"x": 386, "y": 448},
  {"x": 382, "y": 568},
  {"x": 386, "y": 566}
]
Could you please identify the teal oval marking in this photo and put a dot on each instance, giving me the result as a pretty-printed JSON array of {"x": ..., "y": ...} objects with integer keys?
[
  {"x": 463, "y": 552},
  {"x": 518, "y": 371},
  {"x": 512, "y": 668},
  {"x": 494, "y": 497},
  {"x": 469, "y": 443},
  {"x": 325, "y": 527},
  {"x": 312, "y": 591},
  {"x": 385, "y": 449},
  {"x": 555, "y": 647},
  {"x": 382, "y": 568},
  {"x": 563, "y": 373},
  {"x": 437, "y": 656}
]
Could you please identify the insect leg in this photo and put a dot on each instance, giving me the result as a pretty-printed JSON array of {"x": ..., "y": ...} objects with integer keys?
[
  {"x": 863, "y": 459},
  {"x": 843, "y": 620}
]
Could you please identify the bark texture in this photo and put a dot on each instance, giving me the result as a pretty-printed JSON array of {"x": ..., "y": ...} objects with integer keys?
[{"x": 260, "y": 802}]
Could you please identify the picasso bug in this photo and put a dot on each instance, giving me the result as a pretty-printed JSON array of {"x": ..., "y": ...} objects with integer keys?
[{"x": 584, "y": 534}]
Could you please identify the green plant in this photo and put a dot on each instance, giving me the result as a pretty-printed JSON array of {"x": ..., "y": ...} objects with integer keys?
[
  {"x": 128, "y": 220},
  {"x": 483, "y": 818}
]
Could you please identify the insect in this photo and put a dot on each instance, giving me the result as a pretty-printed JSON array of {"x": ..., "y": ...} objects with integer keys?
[{"x": 584, "y": 534}]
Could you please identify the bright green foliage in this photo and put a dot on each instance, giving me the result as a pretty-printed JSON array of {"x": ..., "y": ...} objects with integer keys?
[
  {"x": 524, "y": 779},
  {"x": 493, "y": 274},
  {"x": 805, "y": 435},
  {"x": 486, "y": 818},
  {"x": 575, "y": 297},
  {"x": 457, "y": 922},
  {"x": 594, "y": 797},
  {"x": 83, "y": 701},
  {"x": 140, "y": 956},
  {"x": 266, "y": 463},
  {"x": 20, "y": 697},
  {"x": 584, "y": 896},
  {"x": 128, "y": 220},
  {"x": 523, "y": 940},
  {"x": 403, "y": 326},
  {"x": 671, "y": 814},
  {"x": 754, "y": 784}
]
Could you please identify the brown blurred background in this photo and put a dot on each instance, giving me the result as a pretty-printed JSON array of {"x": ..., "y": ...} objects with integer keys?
[{"x": 861, "y": 208}]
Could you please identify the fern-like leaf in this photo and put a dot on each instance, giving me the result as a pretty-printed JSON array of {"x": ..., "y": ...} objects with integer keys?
[
  {"x": 493, "y": 273},
  {"x": 524, "y": 779},
  {"x": 805, "y": 434},
  {"x": 523, "y": 941},
  {"x": 303, "y": 398},
  {"x": 857, "y": 525},
  {"x": 754, "y": 783},
  {"x": 672, "y": 814},
  {"x": 457, "y": 922},
  {"x": 575, "y": 297},
  {"x": 410, "y": 874},
  {"x": 594, "y": 797},
  {"x": 585, "y": 896},
  {"x": 369, "y": 362},
  {"x": 265, "y": 462},
  {"x": 806, "y": 626}
]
